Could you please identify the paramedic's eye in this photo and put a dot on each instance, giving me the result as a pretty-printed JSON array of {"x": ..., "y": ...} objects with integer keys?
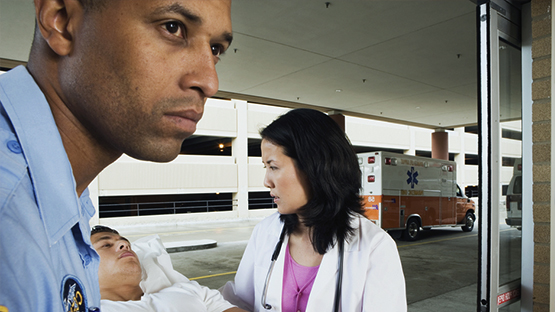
[
  {"x": 175, "y": 28},
  {"x": 217, "y": 50}
]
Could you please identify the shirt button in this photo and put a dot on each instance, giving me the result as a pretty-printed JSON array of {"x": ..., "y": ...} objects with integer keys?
[{"x": 14, "y": 146}]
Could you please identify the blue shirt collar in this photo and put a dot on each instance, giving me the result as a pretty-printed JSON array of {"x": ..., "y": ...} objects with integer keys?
[{"x": 49, "y": 166}]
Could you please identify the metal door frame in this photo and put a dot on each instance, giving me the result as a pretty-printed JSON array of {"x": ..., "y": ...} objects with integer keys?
[{"x": 488, "y": 34}]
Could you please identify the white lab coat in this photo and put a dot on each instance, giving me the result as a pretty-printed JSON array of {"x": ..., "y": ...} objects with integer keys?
[{"x": 373, "y": 278}]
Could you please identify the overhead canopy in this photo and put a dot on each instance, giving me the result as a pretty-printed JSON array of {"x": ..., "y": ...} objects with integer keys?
[{"x": 412, "y": 62}]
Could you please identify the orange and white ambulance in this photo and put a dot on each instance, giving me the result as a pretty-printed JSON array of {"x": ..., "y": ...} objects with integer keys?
[{"x": 410, "y": 193}]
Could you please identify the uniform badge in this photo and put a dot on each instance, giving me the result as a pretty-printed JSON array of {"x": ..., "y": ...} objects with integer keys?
[{"x": 73, "y": 295}]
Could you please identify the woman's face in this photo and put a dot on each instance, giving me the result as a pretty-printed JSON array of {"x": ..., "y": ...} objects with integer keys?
[{"x": 288, "y": 186}]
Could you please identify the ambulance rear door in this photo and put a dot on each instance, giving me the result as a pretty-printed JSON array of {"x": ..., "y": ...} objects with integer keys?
[
  {"x": 370, "y": 166},
  {"x": 393, "y": 209},
  {"x": 448, "y": 194}
]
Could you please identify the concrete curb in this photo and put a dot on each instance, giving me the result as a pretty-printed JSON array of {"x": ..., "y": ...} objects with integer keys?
[{"x": 190, "y": 245}]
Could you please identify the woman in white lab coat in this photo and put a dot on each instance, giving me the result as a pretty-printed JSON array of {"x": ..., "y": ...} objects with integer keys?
[{"x": 318, "y": 252}]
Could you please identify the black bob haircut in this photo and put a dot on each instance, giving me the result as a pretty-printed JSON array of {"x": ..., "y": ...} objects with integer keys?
[{"x": 323, "y": 153}]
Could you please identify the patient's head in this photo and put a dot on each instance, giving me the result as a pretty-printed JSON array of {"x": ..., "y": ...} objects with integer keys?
[{"x": 119, "y": 272}]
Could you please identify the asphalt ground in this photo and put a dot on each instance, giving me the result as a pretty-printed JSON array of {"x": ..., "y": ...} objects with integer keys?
[{"x": 441, "y": 268}]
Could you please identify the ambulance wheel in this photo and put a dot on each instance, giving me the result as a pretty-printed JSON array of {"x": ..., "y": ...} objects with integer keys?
[
  {"x": 412, "y": 230},
  {"x": 468, "y": 222}
]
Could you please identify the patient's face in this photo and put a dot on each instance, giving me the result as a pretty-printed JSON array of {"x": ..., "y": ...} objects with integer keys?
[{"x": 119, "y": 265}]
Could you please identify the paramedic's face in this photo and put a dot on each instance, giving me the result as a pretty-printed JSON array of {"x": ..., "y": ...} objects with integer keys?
[
  {"x": 140, "y": 75},
  {"x": 119, "y": 264},
  {"x": 288, "y": 186}
]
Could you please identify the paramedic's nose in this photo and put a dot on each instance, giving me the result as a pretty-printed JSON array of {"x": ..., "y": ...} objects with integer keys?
[{"x": 201, "y": 75}]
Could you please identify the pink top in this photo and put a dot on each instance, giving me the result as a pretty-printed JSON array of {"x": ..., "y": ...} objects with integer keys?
[{"x": 297, "y": 284}]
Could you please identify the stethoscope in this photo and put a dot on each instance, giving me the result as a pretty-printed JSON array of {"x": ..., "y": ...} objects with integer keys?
[{"x": 275, "y": 255}]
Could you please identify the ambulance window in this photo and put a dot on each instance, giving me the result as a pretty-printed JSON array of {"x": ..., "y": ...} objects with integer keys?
[
  {"x": 517, "y": 187},
  {"x": 459, "y": 192}
]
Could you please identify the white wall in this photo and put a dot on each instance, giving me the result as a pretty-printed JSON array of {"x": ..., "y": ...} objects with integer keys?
[
  {"x": 364, "y": 132},
  {"x": 219, "y": 119},
  {"x": 186, "y": 174},
  {"x": 260, "y": 116}
]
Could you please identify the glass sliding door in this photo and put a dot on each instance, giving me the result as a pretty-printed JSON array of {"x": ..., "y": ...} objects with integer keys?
[
  {"x": 502, "y": 166},
  {"x": 510, "y": 208}
]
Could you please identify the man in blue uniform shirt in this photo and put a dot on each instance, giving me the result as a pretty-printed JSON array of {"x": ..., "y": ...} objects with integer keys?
[{"x": 104, "y": 77}]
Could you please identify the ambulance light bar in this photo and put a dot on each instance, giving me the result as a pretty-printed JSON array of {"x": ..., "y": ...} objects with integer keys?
[
  {"x": 447, "y": 168},
  {"x": 391, "y": 161},
  {"x": 371, "y": 178}
]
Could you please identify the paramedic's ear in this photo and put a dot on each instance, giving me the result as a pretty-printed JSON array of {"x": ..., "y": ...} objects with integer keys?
[{"x": 57, "y": 21}]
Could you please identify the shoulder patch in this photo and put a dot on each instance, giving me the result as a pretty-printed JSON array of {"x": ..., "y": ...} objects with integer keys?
[{"x": 73, "y": 295}]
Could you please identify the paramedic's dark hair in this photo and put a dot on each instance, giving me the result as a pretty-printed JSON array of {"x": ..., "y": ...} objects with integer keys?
[
  {"x": 93, "y": 5},
  {"x": 323, "y": 153}
]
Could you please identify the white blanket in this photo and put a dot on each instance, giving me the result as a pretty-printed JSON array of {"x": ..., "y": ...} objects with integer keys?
[{"x": 158, "y": 271}]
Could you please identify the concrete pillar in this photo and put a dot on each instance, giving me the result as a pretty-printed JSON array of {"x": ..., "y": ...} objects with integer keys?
[
  {"x": 440, "y": 144},
  {"x": 412, "y": 143},
  {"x": 240, "y": 152},
  {"x": 460, "y": 158},
  {"x": 338, "y": 118}
]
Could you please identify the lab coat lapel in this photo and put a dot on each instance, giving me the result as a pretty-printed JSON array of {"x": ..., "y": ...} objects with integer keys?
[
  {"x": 275, "y": 286},
  {"x": 323, "y": 291}
]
